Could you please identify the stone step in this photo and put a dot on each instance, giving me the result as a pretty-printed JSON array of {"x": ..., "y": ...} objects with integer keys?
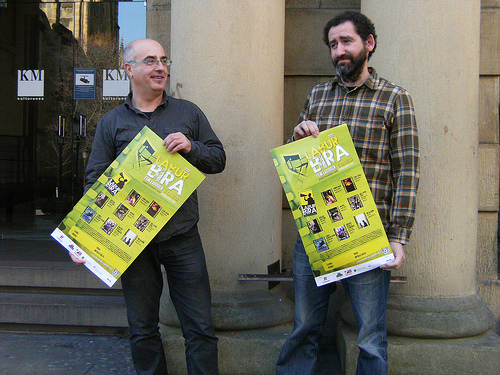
[
  {"x": 43, "y": 264},
  {"x": 50, "y": 274},
  {"x": 46, "y": 308},
  {"x": 40, "y": 285}
]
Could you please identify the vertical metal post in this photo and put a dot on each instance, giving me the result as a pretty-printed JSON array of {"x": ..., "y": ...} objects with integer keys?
[{"x": 61, "y": 125}]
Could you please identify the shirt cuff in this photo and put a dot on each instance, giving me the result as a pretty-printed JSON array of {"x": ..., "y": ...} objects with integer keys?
[{"x": 398, "y": 234}]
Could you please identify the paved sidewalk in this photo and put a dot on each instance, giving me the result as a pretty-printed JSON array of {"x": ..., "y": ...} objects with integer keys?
[
  {"x": 85, "y": 354},
  {"x": 64, "y": 354}
]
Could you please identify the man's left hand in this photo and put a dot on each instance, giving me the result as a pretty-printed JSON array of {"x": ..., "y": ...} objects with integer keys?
[
  {"x": 176, "y": 142},
  {"x": 399, "y": 256}
]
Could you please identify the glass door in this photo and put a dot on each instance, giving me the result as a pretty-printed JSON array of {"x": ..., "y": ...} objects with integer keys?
[{"x": 56, "y": 57}]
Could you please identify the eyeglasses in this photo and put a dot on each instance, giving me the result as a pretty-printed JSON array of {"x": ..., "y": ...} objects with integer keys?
[{"x": 153, "y": 62}]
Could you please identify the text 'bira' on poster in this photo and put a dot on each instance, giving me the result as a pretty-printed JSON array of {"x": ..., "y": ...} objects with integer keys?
[
  {"x": 324, "y": 158},
  {"x": 167, "y": 175}
]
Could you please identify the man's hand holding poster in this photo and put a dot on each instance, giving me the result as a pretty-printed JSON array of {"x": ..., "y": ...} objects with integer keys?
[
  {"x": 332, "y": 205},
  {"x": 127, "y": 206}
]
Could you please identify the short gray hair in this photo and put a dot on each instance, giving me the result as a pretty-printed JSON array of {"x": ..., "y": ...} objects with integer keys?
[{"x": 128, "y": 53}]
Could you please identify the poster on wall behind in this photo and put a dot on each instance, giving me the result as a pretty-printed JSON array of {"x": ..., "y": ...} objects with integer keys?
[
  {"x": 127, "y": 206},
  {"x": 84, "y": 83},
  {"x": 332, "y": 205}
]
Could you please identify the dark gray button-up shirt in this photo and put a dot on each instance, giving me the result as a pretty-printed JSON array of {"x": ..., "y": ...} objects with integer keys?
[{"x": 120, "y": 125}]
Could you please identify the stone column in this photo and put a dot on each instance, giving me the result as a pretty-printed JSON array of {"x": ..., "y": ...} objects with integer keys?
[
  {"x": 432, "y": 49},
  {"x": 228, "y": 59},
  {"x": 158, "y": 22}
]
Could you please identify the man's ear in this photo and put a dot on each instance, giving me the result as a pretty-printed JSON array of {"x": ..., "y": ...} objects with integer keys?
[
  {"x": 370, "y": 43},
  {"x": 128, "y": 70}
]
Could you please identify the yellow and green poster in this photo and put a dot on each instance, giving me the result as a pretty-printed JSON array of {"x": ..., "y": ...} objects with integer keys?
[
  {"x": 332, "y": 205},
  {"x": 127, "y": 206}
]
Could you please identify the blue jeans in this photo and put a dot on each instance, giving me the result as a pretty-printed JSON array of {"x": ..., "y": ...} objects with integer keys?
[
  {"x": 368, "y": 293},
  {"x": 142, "y": 283}
]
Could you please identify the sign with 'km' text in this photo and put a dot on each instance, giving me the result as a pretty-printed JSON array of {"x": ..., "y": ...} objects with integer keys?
[
  {"x": 30, "y": 84},
  {"x": 115, "y": 84}
]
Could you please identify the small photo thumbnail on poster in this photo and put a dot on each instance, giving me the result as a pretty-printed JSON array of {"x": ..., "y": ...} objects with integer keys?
[
  {"x": 328, "y": 197},
  {"x": 361, "y": 220},
  {"x": 307, "y": 202},
  {"x": 314, "y": 226},
  {"x": 88, "y": 214},
  {"x": 108, "y": 226},
  {"x": 121, "y": 211},
  {"x": 129, "y": 237},
  {"x": 133, "y": 198},
  {"x": 112, "y": 187},
  {"x": 355, "y": 202},
  {"x": 342, "y": 233},
  {"x": 321, "y": 244},
  {"x": 141, "y": 223},
  {"x": 153, "y": 209},
  {"x": 348, "y": 184},
  {"x": 121, "y": 179},
  {"x": 335, "y": 214},
  {"x": 101, "y": 199}
]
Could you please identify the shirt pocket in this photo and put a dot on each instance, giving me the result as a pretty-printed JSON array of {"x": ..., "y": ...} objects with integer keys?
[
  {"x": 179, "y": 127},
  {"x": 123, "y": 137},
  {"x": 324, "y": 122},
  {"x": 372, "y": 140}
]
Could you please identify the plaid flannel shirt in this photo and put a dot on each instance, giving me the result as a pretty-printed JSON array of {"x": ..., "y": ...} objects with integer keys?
[{"x": 381, "y": 120}]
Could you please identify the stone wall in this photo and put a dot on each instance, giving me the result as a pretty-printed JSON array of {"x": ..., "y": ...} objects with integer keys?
[
  {"x": 489, "y": 99},
  {"x": 307, "y": 63}
]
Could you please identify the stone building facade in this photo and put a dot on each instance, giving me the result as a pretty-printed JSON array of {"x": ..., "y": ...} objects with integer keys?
[{"x": 250, "y": 65}]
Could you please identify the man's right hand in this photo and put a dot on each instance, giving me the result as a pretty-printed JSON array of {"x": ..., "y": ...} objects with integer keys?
[
  {"x": 305, "y": 129},
  {"x": 76, "y": 260}
]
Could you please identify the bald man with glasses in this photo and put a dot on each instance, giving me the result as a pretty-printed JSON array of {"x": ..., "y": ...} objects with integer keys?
[{"x": 177, "y": 247}]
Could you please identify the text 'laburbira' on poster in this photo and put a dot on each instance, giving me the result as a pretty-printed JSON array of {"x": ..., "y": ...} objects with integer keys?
[
  {"x": 127, "y": 206},
  {"x": 332, "y": 205}
]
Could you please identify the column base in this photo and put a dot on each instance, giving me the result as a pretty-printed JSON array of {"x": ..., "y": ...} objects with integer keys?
[
  {"x": 433, "y": 317},
  {"x": 240, "y": 310},
  {"x": 489, "y": 290},
  {"x": 251, "y": 325},
  {"x": 247, "y": 352},
  {"x": 408, "y": 356}
]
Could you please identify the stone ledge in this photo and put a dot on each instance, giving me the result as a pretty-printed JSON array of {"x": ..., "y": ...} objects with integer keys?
[
  {"x": 478, "y": 355},
  {"x": 248, "y": 352}
]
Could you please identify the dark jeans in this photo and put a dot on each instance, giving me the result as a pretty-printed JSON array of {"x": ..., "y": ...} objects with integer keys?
[
  {"x": 368, "y": 293},
  {"x": 184, "y": 262}
]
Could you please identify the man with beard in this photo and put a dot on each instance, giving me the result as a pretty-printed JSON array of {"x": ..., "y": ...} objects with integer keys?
[{"x": 381, "y": 120}]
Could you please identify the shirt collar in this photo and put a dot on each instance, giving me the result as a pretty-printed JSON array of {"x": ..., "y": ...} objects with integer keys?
[
  {"x": 372, "y": 82},
  {"x": 129, "y": 105}
]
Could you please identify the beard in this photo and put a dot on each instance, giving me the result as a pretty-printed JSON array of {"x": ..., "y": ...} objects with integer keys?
[{"x": 352, "y": 70}]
